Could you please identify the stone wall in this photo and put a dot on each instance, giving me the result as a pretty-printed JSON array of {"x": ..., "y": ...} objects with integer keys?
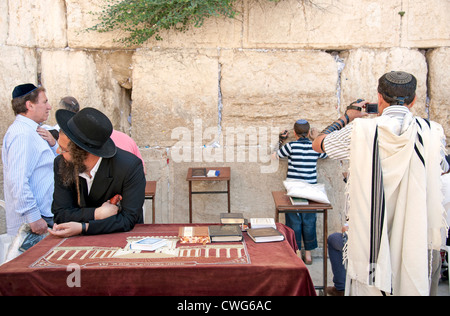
[{"x": 219, "y": 95}]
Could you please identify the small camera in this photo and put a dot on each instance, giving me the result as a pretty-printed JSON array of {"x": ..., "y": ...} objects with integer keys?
[{"x": 372, "y": 108}]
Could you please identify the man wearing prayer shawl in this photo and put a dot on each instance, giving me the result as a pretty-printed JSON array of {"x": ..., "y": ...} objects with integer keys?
[{"x": 394, "y": 202}]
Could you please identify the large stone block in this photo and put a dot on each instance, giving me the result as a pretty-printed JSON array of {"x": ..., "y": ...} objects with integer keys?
[
  {"x": 84, "y": 14},
  {"x": 215, "y": 32},
  {"x": 426, "y": 23},
  {"x": 439, "y": 87},
  {"x": 158, "y": 170},
  {"x": 4, "y": 18},
  {"x": 18, "y": 65},
  {"x": 172, "y": 89},
  {"x": 363, "y": 68},
  {"x": 94, "y": 78},
  {"x": 276, "y": 88},
  {"x": 37, "y": 23},
  {"x": 325, "y": 24}
]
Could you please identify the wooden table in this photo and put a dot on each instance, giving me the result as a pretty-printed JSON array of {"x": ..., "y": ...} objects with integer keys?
[
  {"x": 284, "y": 205},
  {"x": 90, "y": 266},
  {"x": 150, "y": 191},
  {"x": 224, "y": 175}
]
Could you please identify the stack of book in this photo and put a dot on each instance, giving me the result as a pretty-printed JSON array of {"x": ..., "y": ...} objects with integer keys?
[
  {"x": 225, "y": 233},
  {"x": 208, "y": 234},
  {"x": 230, "y": 230},
  {"x": 264, "y": 230},
  {"x": 266, "y": 234}
]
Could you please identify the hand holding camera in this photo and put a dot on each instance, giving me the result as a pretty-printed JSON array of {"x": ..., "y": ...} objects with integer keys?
[
  {"x": 355, "y": 109},
  {"x": 360, "y": 104}
]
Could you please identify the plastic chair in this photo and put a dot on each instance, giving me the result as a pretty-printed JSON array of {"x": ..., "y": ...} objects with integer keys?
[
  {"x": 448, "y": 259},
  {"x": 5, "y": 241}
]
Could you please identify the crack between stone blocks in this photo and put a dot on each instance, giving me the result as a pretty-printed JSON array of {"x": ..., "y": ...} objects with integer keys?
[
  {"x": 340, "y": 67},
  {"x": 427, "y": 84},
  {"x": 219, "y": 101}
]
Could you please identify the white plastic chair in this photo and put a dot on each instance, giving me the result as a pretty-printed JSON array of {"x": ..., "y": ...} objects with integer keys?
[
  {"x": 5, "y": 241},
  {"x": 448, "y": 259}
]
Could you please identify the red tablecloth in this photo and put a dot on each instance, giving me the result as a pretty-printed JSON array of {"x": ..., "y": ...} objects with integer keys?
[{"x": 247, "y": 268}]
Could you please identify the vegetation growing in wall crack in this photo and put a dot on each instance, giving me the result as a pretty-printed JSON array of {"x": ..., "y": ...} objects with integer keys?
[{"x": 144, "y": 19}]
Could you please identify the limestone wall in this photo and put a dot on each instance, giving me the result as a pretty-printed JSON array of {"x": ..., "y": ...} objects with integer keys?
[{"x": 219, "y": 95}]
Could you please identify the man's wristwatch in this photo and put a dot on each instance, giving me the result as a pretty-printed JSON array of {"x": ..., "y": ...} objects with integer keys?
[
  {"x": 354, "y": 107},
  {"x": 83, "y": 228}
]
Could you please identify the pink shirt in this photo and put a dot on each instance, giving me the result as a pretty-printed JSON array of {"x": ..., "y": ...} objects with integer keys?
[{"x": 125, "y": 142}]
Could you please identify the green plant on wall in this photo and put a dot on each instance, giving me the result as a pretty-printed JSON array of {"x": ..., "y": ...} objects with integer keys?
[{"x": 144, "y": 19}]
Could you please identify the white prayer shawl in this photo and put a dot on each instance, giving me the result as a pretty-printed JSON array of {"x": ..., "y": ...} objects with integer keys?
[{"x": 397, "y": 238}]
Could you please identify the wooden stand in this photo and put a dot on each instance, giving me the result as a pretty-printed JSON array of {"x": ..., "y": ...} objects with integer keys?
[
  {"x": 150, "y": 190},
  {"x": 223, "y": 176},
  {"x": 283, "y": 204}
]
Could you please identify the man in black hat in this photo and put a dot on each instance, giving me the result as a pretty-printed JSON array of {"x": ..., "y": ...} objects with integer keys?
[
  {"x": 28, "y": 152},
  {"x": 88, "y": 173}
]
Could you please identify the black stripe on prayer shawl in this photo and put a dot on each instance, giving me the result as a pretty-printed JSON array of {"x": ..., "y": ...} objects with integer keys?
[
  {"x": 377, "y": 210},
  {"x": 419, "y": 154},
  {"x": 420, "y": 139}
]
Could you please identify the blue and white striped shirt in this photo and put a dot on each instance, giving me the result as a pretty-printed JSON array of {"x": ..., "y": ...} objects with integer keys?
[
  {"x": 302, "y": 160},
  {"x": 28, "y": 174}
]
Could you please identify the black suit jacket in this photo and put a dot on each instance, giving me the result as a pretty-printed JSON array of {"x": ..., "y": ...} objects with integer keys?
[{"x": 122, "y": 174}]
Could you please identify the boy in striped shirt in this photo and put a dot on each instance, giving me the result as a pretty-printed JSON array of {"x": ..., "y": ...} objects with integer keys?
[{"x": 302, "y": 166}]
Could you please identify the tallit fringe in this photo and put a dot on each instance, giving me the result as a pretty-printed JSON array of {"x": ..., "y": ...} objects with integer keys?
[
  {"x": 444, "y": 213},
  {"x": 445, "y": 224},
  {"x": 345, "y": 213},
  {"x": 345, "y": 254}
]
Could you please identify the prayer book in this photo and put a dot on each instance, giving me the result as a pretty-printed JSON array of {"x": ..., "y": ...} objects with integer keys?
[
  {"x": 262, "y": 222},
  {"x": 298, "y": 201},
  {"x": 225, "y": 233},
  {"x": 213, "y": 173},
  {"x": 194, "y": 235},
  {"x": 148, "y": 244},
  {"x": 267, "y": 234},
  {"x": 30, "y": 240},
  {"x": 198, "y": 172},
  {"x": 232, "y": 218}
]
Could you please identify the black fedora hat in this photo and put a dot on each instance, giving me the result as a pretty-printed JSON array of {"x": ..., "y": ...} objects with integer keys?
[{"x": 89, "y": 129}]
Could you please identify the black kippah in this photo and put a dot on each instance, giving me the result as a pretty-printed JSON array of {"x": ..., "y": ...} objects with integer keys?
[
  {"x": 399, "y": 77},
  {"x": 23, "y": 89}
]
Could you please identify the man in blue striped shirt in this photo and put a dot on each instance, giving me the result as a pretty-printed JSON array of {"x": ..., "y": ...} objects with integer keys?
[
  {"x": 28, "y": 152},
  {"x": 302, "y": 166}
]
